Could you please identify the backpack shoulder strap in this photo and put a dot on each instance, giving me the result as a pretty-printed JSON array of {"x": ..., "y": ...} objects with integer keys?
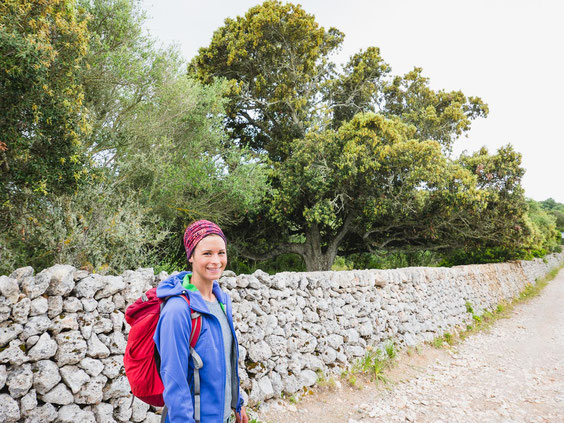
[
  {"x": 198, "y": 364},
  {"x": 196, "y": 323}
]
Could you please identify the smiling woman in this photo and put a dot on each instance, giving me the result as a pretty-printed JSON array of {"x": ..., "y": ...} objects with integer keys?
[
  {"x": 196, "y": 392},
  {"x": 208, "y": 260}
]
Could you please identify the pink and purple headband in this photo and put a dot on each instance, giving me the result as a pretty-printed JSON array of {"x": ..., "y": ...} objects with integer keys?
[{"x": 198, "y": 231}]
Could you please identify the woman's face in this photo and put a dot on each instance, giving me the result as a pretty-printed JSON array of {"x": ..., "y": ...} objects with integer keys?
[{"x": 209, "y": 259}]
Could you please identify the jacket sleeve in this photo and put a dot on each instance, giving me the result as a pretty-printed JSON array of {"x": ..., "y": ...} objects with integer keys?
[
  {"x": 173, "y": 342},
  {"x": 229, "y": 303}
]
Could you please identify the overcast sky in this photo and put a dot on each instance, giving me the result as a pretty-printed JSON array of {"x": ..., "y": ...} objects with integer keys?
[{"x": 510, "y": 53}]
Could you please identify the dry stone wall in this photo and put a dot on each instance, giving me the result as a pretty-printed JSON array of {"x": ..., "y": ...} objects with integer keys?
[{"x": 63, "y": 332}]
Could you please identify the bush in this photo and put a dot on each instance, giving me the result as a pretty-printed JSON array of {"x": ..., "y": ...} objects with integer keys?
[{"x": 95, "y": 229}]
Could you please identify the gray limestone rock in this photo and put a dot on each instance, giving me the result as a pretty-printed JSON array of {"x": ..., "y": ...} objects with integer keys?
[
  {"x": 45, "y": 414},
  {"x": 55, "y": 306},
  {"x": 96, "y": 349},
  {"x": 92, "y": 391},
  {"x": 138, "y": 410},
  {"x": 106, "y": 305},
  {"x": 91, "y": 366},
  {"x": 265, "y": 388},
  {"x": 33, "y": 287},
  {"x": 28, "y": 402},
  {"x": 103, "y": 325},
  {"x": 5, "y": 309},
  {"x": 89, "y": 304},
  {"x": 74, "y": 377},
  {"x": 72, "y": 305},
  {"x": 72, "y": 347},
  {"x": 39, "y": 306},
  {"x": 20, "y": 381},
  {"x": 119, "y": 301},
  {"x": 117, "y": 343},
  {"x": 61, "y": 280},
  {"x": 45, "y": 376},
  {"x": 277, "y": 344},
  {"x": 122, "y": 409},
  {"x": 259, "y": 351},
  {"x": 59, "y": 395},
  {"x": 36, "y": 325},
  {"x": 64, "y": 322},
  {"x": 14, "y": 354},
  {"x": 136, "y": 283},
  {"x": 73, "y": 414},
  {"x": 111, "y": 285},
  {"x": 119, "y": 387},
  {"x": 9, "y": 288},
  {"x": 113, "y": 366},
  {"x": 87, "y": 287},
  {"x": 9, "y": 331},
  {"x": 3, "y": 375},
  {"x": 152, "y": 418},
  {"x": 22, "y": 273},
  {"x": 307, "y": 378},
  {"x": 104, "y": 413},
  {"x": 9, "y": 409},
  {"x": 118, "y": 320}
]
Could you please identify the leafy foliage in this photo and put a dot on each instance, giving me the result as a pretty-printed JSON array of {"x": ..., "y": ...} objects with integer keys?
[
  {"x": 340, "y": 174},
  {"x": 96, "y": 228},
  {"x": 43, "y": 119},
  {"x": 156, "y": 148}
]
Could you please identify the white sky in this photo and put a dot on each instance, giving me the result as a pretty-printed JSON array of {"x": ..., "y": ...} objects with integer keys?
[{"x": 508, "y": 52}]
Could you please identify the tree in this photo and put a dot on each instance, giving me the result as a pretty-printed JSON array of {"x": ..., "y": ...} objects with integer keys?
[
  {"x": 276, "y": 61},
  {"x": 154, "y": 160},
  {"x": 437, "y": 115},
  {"x": 42, "y": 114},
  {"x": 556, "y": 209},
  {"x": 544, "y": 235},
  {"x": 289, "y": 103}
]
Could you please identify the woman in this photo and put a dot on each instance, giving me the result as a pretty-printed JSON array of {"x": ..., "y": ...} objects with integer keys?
[{"x": 217, "y": 345}]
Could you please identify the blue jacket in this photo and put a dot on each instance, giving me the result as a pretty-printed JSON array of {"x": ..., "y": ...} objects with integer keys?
[{"x": 172, "y": 339}]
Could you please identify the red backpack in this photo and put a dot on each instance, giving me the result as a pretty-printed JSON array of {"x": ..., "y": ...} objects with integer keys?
[{"x": 141, "y": 359}]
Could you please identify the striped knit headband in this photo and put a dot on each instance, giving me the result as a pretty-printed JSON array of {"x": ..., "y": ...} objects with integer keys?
[{"x": 197, "y": 231}]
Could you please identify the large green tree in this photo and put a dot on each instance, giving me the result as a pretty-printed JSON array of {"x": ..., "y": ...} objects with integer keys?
[
  {"x": 154, "y": 159},
  {"x": 369, "y": 179},
  {"x": 42, "y": 114}
]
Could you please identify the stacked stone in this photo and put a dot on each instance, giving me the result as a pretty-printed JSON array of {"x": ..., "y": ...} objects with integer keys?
[
  {"x": 62, "y": 340},
  {"x": 63, "y": 332}
]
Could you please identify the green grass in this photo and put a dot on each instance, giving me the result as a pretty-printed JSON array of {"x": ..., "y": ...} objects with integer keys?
[{"x": 373, "y": 365}]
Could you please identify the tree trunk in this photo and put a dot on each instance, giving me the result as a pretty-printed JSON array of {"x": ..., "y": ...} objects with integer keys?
[{"x": 315, "y": 258}]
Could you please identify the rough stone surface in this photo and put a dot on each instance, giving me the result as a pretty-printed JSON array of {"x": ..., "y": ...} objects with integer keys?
[
  {"x": 44, "y": 348},
  {"x": 19, "y": 381},
  {"x": 74, "y": 377},
  {"x": 73, "y": 414},
  {"x": 9, "y": 410},
  {"x": 91, "y": 366},
  {"x": 9, "y": 331},
  {"x": 62, "y": 279},
  {"x": 45, "y": 376},
  {"x": 44, "y": 414},
  {"x": 72, "y": 348},
  {"x": 68, "y": 327},
  {"x": 92, "y": 392},
  {"x": 9, "y": 288},
  {"x": 3, "y": 376},
  {"x": 104, "y": 413},
  {"x": 60, "y": 395}
]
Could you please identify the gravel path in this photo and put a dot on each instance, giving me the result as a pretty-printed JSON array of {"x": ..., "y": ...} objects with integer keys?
[{"x": 513, "y": 372}]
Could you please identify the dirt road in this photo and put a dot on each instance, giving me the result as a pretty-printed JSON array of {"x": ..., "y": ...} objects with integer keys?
[{"x": 513, "y": 372}]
